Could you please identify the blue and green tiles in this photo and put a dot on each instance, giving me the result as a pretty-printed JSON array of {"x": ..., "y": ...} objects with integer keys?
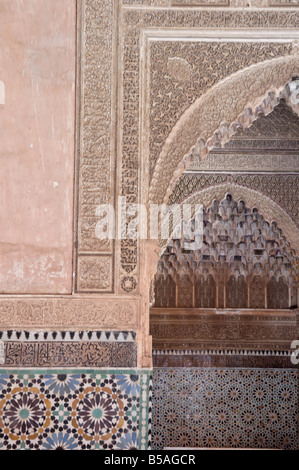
[{"x": 74, "y": 409}]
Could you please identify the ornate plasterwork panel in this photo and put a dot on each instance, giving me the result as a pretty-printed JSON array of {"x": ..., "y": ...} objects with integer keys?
[
  {"x": 95, "y": 141},
  {"x": 212, "y": 3},
  {"x": 114, "y": 45},
  {"x": 184, "y": 70},
  {"x": 264, "y": 157},
  {"x": 175, "y": 3},
  {"x": 115, "y": 40},
  {"x": 172, "y": 79},
  {"x": 68, "y": 312},
  {"x": 234, "y": 161},
  {"x": 212, "y": 109},
  {"x": 282, "y": 189},
  {"x": 96, "y": 274},
  {"x": 148, "y": 3},
  {"x": 284, "y": 3},
  {"x": 253, "y": 199},
  {"x": 199, "y": 3},
  {"x": 270, "y": 144}
]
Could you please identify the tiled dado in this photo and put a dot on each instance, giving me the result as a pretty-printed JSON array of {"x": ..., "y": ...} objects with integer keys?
[
  {"x": 68, "y": 349},
  {"x": 225, "y": 408},
  {"x": 74, "y": 409}
]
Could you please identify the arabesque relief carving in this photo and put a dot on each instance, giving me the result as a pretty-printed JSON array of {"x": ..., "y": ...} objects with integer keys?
[
  {"x": 118, "y": 146},
  {"x": 141, "y": 21},
  {"x": 270, "y": 144},
  {"x": 69, "y": 312},
  {"x": 209, "y": 63},
  {"x": 243, "y": 88}
]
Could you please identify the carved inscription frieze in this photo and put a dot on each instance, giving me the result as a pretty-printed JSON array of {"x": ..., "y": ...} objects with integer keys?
[
  {"x": 284, "y": 3},
  {"x": 199, "y": 3},
  {"x": 200, "y": 330},
  {"x": 211, "y": 3},
  {"x": 69, "y": 354},
  {"x": 68, "y": 313}
]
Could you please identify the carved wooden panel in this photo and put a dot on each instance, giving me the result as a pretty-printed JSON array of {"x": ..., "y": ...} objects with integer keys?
[
  {"x": 257, "y": 292},
  {"x": 277, "y": 294},
  {"x": 255, "y": 330},
  {"x": 185, "y": 292},
  {"x": 165, "y": 292},
  {"x": 205, "y": 292},
  {"x": 221, "y": 298},
  {"x": 236, "y": 292}
]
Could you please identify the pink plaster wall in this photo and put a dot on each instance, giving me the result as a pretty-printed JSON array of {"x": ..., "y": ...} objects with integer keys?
[{"x": 37, "y": 67}]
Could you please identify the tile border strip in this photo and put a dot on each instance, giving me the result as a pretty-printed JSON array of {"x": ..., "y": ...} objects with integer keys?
[{"x": 53, "y": 336}]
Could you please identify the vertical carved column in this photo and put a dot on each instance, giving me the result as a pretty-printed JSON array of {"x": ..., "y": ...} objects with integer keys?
[
  {"x": 185, "y": 292},
  {"x": 257, "y": 293},
  {"x": 236, "y": 293},
  {"x": 205, "y": 292},
  {"x": 277, "y": 294},
  {"x": 149, "y": 257},
  {"x": 96, "y": 156}
]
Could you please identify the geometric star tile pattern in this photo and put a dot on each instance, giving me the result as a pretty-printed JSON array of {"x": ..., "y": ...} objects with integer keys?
[
  {"x": 59, "y": 409},
  {"x": 225, "y": 408}
]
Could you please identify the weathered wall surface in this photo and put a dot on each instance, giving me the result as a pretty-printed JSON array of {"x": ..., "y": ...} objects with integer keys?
[
  {"x": 37, "y": 67},
  {"x": 47, "y": 355}
]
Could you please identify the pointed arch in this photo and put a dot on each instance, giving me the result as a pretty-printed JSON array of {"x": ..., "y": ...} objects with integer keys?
[{"x": 236, "y": 101}]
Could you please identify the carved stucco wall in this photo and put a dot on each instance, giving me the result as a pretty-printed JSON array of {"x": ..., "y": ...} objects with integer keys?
[
  {"x": 144, "y": 90},
  {"x": 142, "y": 104},
  {"x": 157, "y": 69},
  {"x": 144, "y": 74},
  {"x": 248, "y": 101}
]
